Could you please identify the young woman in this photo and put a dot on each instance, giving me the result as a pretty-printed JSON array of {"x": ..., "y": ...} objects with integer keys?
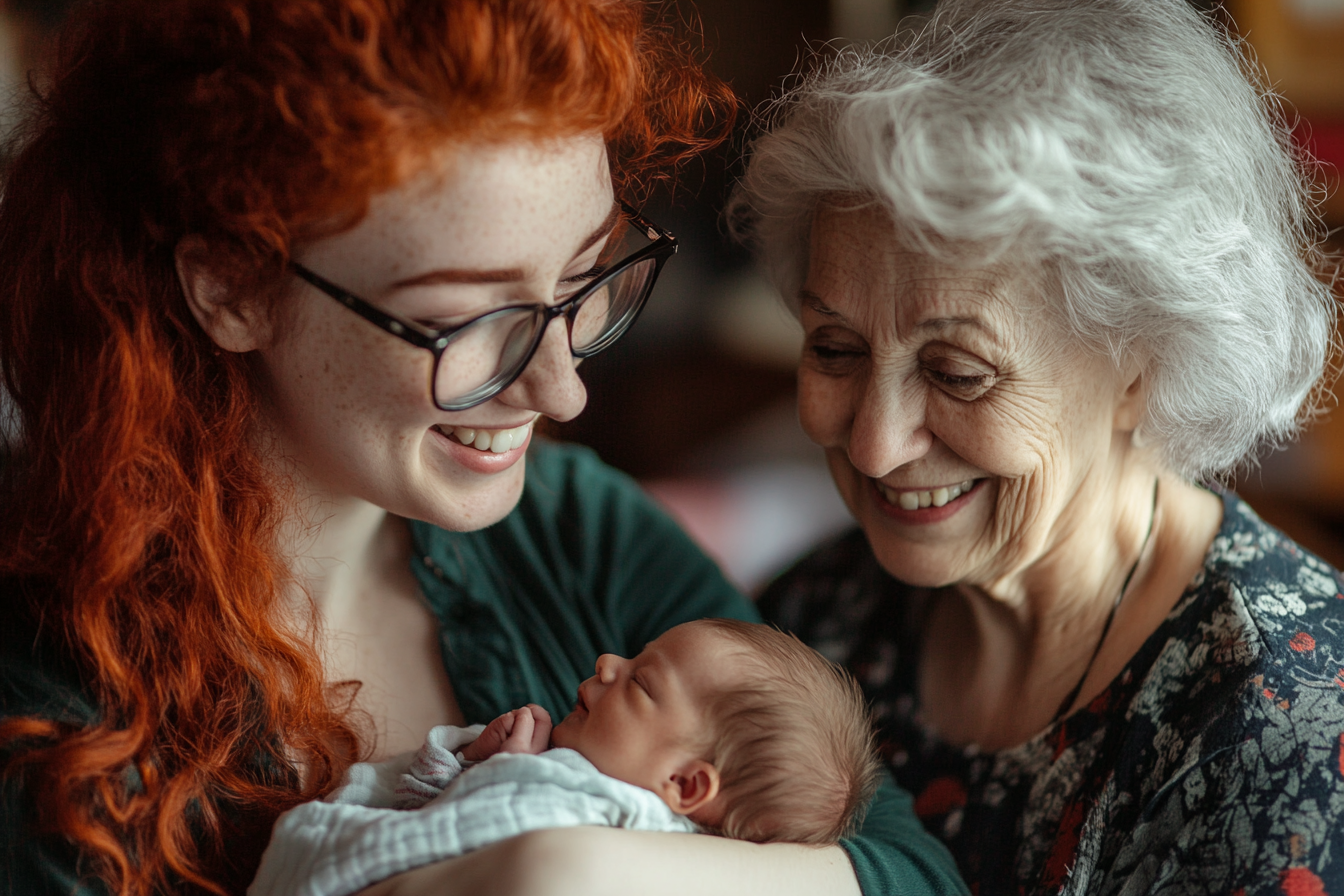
[{"x": 286, "y": 286}]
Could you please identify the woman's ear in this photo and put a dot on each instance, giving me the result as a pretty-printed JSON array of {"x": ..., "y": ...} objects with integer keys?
[
  {"x": 235, "y": 325},
  {"x": 1132, "y": 401},
  {"x": 692, "y": 787}
]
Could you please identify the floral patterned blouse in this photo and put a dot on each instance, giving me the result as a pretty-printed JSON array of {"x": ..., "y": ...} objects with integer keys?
[{"x": 1214, "y": 763}]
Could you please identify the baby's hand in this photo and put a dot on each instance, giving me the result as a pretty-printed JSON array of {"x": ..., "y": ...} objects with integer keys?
[{"x": 526, "y": 730}]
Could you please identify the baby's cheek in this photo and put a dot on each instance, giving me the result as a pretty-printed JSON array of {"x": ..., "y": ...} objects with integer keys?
[{"x": 560, "y": 734}]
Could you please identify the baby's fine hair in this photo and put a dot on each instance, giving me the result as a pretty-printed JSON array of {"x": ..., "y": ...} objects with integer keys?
[{"x": 793, "y": 742}]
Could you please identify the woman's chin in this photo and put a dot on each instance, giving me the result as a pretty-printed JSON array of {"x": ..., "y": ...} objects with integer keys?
[
  {"x": 463, "y": 497},
  {"x": 917, "y": 570},
  {"x": 924, "y": 558},
  {"x": 467, "y": 506}
]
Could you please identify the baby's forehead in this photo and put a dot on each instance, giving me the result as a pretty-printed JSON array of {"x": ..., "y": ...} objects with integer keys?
[{"x": 712, "y": 657}]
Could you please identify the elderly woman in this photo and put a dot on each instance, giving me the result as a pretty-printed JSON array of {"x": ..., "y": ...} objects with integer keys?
[{"x": 1048, "y": 258}]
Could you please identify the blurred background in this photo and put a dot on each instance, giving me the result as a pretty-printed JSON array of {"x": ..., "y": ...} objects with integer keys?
[{"x": 697, "y": 402}]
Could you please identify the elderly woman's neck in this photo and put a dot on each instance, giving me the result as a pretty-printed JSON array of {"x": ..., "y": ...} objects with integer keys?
[
  {"x": 1022, "y": 643},
  {"x": 1081, "y": 561}
]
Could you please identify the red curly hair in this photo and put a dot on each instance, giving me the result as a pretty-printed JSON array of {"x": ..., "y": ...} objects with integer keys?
[{"x": 139, "y": 520}]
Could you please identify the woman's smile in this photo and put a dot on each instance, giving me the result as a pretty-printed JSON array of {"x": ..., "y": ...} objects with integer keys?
[
  {"x": 923, "y": 506},
  {"x": 483, "y": 450}
]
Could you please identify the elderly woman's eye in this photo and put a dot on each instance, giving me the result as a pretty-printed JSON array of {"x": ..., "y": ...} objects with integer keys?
[
  {"x": 963, "y": 385},
  {"x": 833, "y": 355}
]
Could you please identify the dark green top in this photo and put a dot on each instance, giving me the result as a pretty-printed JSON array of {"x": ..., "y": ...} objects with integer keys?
[{"x": 584, "y": 565}]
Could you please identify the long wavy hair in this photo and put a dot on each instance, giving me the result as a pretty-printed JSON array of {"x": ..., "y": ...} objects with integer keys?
[{"x": 139, "y": 519}]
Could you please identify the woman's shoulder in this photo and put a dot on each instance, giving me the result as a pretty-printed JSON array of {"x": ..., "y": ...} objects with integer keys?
[
  {"x": 1238, "y": 702},
  {"x": 38, "y": 677},
  {"x": 38, "y": 680},
  {"x": 1256, "y": 632},
  {"x": 1249, "y": 663},
  {"x": 1283, "y": 601}
]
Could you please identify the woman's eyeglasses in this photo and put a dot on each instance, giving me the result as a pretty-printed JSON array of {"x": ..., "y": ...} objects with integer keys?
[{"x": 476, "y": 360}]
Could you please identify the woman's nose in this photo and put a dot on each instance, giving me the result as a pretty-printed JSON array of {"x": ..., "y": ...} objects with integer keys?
[
  {"x": 550, "y": 384},
  {"x": 888, "y": 429}
]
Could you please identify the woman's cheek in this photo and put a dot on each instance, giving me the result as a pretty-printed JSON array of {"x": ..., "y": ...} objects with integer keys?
[
  {"x": 975, "y": 432},
  {"x": 823, "y": 408}
]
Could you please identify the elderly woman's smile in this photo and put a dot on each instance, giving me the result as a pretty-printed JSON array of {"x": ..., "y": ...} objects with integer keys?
[{"x": 967, "y": 430}]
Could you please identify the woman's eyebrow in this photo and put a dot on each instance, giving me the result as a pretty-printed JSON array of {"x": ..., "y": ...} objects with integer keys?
[
  {"x": 608, "y": 223},
  {"x": 461, "y": 275},
  {"x": 441, "y": 276},
  {"x": 941, "y": 323},
  {"x": 813, "y": 301}
]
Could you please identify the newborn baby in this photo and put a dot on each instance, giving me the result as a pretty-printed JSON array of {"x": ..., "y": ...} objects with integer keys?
[
  {"x": 739, "y": 727},
  {"x": 720, "y": 726}
]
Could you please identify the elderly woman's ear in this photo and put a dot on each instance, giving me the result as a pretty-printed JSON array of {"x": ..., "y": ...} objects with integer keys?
[
  {"x": 1133, "y": 400},
  {"x": 235, "y": 325}
]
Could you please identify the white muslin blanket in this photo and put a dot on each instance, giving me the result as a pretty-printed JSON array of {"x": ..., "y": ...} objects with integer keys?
[{"x": 356, "y": 837}]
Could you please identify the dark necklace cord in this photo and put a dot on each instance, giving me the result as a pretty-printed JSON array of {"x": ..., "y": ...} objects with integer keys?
[{"x": 1110, "y": 617}]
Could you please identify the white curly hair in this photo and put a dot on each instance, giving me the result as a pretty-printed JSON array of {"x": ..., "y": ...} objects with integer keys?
[{"x": 1121, "y": 144}]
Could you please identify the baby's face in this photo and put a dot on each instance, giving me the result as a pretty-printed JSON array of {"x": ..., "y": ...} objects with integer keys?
[{"x": 641, "y": 720}]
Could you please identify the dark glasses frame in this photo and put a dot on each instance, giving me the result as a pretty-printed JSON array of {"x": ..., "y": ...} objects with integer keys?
[{"x": 663, "y": 247}]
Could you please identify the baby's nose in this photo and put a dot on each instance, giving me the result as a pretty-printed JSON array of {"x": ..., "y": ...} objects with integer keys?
[{"x": 607, "y": 666}]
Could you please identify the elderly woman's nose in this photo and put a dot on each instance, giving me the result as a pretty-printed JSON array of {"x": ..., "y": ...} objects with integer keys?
[
  {"x": 887, "y": 430},
  {"x": 550, "y": 384}
]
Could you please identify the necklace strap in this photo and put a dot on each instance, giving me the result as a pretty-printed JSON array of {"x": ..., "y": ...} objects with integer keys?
[{"x": 1110, "y": 617}]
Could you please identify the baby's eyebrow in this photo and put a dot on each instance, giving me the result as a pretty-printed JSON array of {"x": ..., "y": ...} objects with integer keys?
[{"x": 647, "y": 680}]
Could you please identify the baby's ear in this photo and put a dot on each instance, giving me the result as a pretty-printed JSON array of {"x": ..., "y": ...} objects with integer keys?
[{"x": 692, "y": 787}]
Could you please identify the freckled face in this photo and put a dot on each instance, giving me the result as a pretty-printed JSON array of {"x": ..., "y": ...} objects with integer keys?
[
  {"x": 488, "y": 226},
  {"x": 919, "y": 376}
]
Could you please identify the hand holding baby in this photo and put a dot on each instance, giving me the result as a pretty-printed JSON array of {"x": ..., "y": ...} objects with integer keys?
[{"x": 523, "y": 730}]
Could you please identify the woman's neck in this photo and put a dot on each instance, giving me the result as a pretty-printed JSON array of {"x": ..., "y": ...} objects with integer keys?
[
  {"x": 335, "y": 546},
  {"x": 355, "y": 596},
  {"x": 1000, "y": 657}
]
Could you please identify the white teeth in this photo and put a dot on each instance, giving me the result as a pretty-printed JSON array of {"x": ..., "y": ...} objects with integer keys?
[
  {"x": 935, "y": 498},
  {"x": 495, "y": 441}
]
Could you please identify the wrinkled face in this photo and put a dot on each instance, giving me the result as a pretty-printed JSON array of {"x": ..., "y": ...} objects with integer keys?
[
  {"x": 640, "y": 720},
  {"x": 965, "y": 427},
  {"x": 349, "y": 403}
]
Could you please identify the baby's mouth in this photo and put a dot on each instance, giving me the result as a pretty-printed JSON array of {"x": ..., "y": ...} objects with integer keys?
[{"x": 496, "y": 441}]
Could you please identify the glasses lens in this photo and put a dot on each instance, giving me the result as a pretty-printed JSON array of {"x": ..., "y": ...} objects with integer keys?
[
  {"x": 610, "y": 309},
  {"x": 485, "y": 354}
]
